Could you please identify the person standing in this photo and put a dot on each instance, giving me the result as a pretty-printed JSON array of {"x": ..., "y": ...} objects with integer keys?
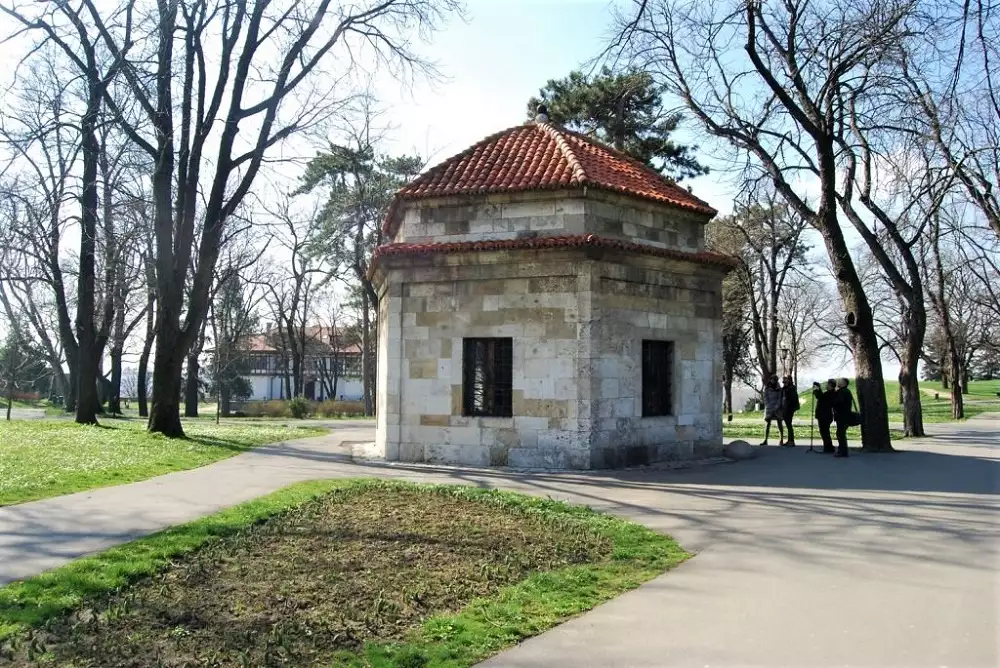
[
  {"x": 789, "y": 405},
  {"x": 843, "y": 402},
  {"x": 823, "y": 403},
  {"x": 772, "y": 409}
]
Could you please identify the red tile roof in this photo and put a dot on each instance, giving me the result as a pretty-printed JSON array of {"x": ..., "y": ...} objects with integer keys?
[
  {"x": 571, "y": 241},
  {"x": 541, "y": 156},
  {"x": 315, "y": 335}
]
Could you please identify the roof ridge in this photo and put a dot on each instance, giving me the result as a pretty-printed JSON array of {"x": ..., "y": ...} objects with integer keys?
[{"x": 579, "y": 173}]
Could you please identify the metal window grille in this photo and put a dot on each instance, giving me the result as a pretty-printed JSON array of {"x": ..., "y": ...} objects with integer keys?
[
  {"x": 487, "y": 373},
  {"x": 657, "y": 378}
]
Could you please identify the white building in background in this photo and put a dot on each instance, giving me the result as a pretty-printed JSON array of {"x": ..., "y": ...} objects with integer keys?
[{"x": 332, "y": 371}]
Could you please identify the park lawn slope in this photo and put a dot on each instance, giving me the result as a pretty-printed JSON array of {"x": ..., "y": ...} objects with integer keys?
[
  {"x": 346, "y": 573},
  {"x": 44, "y": 458},
  {"x": 980, "y": 398}
]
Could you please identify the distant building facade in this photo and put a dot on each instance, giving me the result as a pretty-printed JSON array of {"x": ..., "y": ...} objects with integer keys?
[{"x": 331, "y": 370}]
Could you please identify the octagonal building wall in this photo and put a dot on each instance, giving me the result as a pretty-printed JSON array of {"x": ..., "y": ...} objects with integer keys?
[
  {"x": 519, "y": 215},
  {"x": 577, "y": 318}
]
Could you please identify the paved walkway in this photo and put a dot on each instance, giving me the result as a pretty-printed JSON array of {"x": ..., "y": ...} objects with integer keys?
[{"x": 803, "y": 560}]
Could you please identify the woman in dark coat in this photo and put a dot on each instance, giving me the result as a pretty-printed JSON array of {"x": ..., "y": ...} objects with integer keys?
[
  {"x": 772, "y": 409},
  {"x": 843, "y": 404},
  {"x": 789, "y": 405},
  {"x": 823, "y": 403}
]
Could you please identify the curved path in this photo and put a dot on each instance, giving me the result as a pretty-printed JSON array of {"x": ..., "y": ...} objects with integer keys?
[{"x": 803, "y": 560}]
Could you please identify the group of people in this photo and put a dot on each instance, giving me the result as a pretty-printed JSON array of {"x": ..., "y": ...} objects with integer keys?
[{"x": 835, "y": 403}]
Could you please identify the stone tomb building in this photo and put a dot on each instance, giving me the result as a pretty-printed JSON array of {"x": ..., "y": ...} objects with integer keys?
[{"x": 545, "y": 301}]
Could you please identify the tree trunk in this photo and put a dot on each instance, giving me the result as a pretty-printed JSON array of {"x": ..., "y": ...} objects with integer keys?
[
  {"x": 909, "y": 388},
  {"x": 287, "y": 379},
  {"x": 909, "y": 381},
  {"x": 365, "y": 352},
  {"x": 165, "y": 416},
  {"x": 869, "y": 380},
  {"x": 142, "y": 375},
  {"x": 191, "y": 386},
  {"x": 87, "y": 402},
  {"x": 957, "y": 402},
  {"x": 10, "y": 397},
  {"x": 116, "y": 380},
  {"x": 225, "y": 403},
  {"x": 727, "y": 397},
  {"x": 298, "y": 377},
  {"x": 944, "y": 379},
  {"x": 87, "y": 399}
]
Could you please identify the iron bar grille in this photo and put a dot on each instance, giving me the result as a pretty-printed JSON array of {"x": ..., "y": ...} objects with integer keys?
[
  {"x": 487, "y": 374},
  {"x": 657, "y": 378}
]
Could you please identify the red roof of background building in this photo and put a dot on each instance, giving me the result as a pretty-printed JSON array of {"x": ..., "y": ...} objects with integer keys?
[
  {"x": 270, "y": 340},
  {"x": 542, "y": 156}
]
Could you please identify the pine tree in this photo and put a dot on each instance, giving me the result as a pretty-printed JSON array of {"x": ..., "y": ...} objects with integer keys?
[{"x": 621, "y": 110}]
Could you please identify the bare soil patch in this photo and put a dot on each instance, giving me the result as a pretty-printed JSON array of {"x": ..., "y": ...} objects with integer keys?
[{"x": 357, "y": 566}]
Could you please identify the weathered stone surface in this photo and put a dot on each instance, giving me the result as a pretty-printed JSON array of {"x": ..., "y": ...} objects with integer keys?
[
  {"x": 577, "y": 319},
  {"x": 740, "y": 450}
]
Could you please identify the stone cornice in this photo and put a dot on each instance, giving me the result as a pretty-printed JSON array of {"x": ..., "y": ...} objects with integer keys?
[{"x": 554, "y": 242}]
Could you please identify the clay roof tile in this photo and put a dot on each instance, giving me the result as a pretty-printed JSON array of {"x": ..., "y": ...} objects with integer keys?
[{"x": 542, "y": 156}]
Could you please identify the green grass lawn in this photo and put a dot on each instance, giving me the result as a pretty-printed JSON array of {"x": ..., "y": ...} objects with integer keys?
[
  {"x": 755, "y": 432},
  {"x": 43, "y": 458},
  {"x": 346, "y": 573},
  {"x": 981, "y": 398}
]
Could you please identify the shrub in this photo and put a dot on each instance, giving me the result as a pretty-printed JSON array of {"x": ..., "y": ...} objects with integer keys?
[
  {"x": 300, "y": 407},
  {"x": 274, "y": 408},
  {"x": 333, "y": 408}
]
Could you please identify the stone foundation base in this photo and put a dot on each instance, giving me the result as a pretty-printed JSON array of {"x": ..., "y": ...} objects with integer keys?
[{"x": 547, "y": 458}]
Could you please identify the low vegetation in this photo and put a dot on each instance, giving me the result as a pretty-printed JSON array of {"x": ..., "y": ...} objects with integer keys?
[
  {"x": 755, "y": 432},
  {"x": 299, "y": 408},
  {"x": 346, "y": 573},
  {"x": 980, "y": 398},
  {"x": 43, "y": 458}
]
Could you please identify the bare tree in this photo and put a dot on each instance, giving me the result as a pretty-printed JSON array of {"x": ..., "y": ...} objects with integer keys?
[
  {"x": 767, "y": 239},
  {"x": 780, "y": 102},
  {"x": 232, "y": 319},
  {"x": 360, "y": 184},
  {"x": 292, "y": 285},
  {"x": 805, "y": 303},
  {"x": 195, "y": 76}
]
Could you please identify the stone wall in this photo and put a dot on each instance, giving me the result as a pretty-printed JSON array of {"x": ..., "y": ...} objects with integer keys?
[
  {"x": 541, "y": 213},
  {"x": 537, "y": 302},
  {"x": 578, "y": 321},
  {"x": 649, "y": 299}
]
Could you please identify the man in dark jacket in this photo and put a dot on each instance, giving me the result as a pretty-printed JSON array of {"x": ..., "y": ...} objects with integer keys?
[
  {"x": 789, "y": 404},
  {"x": 823, "y": 406},
  {"x": 843, "y": 404}
]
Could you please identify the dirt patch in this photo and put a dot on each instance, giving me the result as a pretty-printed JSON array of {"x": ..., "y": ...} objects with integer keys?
[{"x": 353, "y": 567}]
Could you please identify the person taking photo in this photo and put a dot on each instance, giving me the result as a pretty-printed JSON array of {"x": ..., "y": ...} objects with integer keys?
[
  {"x": 823, "y": 402},
  {"x": 843, "y": 413}
]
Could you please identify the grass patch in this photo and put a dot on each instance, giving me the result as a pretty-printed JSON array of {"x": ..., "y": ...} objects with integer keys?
[
  {"x": 43, "y": 458},
  {"x": 756, "y": 432},
  {"x": 981, "y": 398},
  {"x": 346, "y": 573}
]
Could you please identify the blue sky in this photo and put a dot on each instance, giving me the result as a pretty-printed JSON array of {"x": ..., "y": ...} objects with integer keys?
[
  {"x": 495, "y": 61},
  {"x": 492, "y": 63}
]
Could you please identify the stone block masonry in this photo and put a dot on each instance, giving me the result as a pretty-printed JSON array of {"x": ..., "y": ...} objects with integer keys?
[{"x": 577, "y": 320}]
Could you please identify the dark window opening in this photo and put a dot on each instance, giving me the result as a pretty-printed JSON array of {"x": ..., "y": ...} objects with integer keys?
[
  {"x": 487, "y": 377},
  {"x": 657, "y": 378}
]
